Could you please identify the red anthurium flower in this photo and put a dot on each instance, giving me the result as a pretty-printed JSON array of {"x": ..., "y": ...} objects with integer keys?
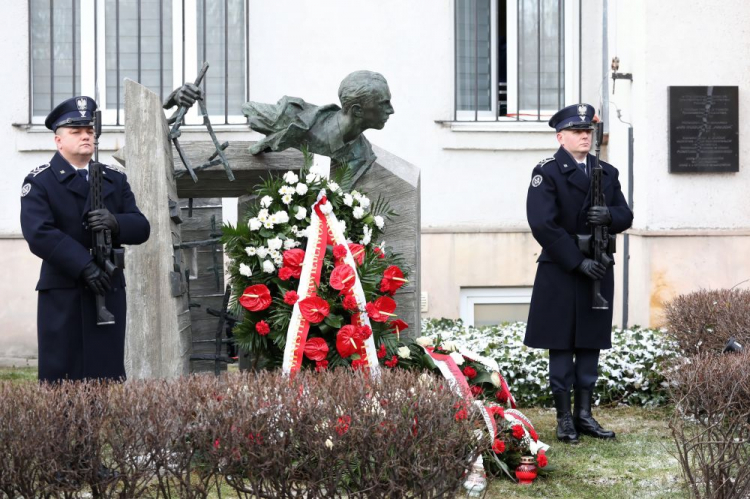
[
  {"x": 262, "y": 328},
  {"x": 470, "y": 372},
  {"x": 381, "y": 351},
  {"x": 291, "y": 297},
  {"x": 393, "y": 362},
  {"x": 393, "y": 279},
  {"x": 316, "y": 349},
  {"x": 350, "y": 302},
  {"x": 339, "y": 251},
  {"x": 314, "y": 309},
  {"x": 518, "y": 431},
  {"x": 358, "y": 252},
  {"x": 256, "y": 298},
  {"x": 293, "y": 259},
  {"x": 343, "y": 278},
  {"x": 397, "y": 326},
  {"x": 381, "y": 309},
  {"x": 498, "y": 446},
  {"x": 321, "y": 365},
  {"x": 348, "y": 341}
]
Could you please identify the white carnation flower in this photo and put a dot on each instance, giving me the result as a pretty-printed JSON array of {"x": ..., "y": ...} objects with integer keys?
[
  {"x": 450, "y": 346},
  {"x": 301, "y": 189},
  {"x": 262, "y": 251},
  {"x": 266, "y": 201},
  {"x": 348, "y": 199},
  {"x": 251, "y": 251},
  {"x": 311, "y": 178},
  {"x": 424, "y": 341},
  {"x": 356, "y": 195},
  {"x": 342, "y": 226},
  {"x": 358, "y": 212},
  {"x": 291, "y": 178},
  {"x": 334, "y": 187},
  {"x": 263, "y": 215},
  {"x": 403, "y": 352},
  {"x": 289, "y": 244},
  {"x": 281, "y": 217},
  {"x": 457, "y": 358},
  {"x": 268, "y": 267},
  {"x": 364, "y": 202},
  {"x": 245, "y": 270},
  {"x": 278, "y": 260},
  {"x": 274, "y": 253},
  {"x": 379, "y": 222},
  {"x": 301, "y": 213},
  {"x": 286, "y": 198},
  {"x": 268, "y": 224},
  {"x": 254, "y": 224},
  {"x": 274, "y": 244}
]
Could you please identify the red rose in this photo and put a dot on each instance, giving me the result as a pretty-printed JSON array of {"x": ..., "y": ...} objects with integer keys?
[
  {"x": 381, "y": 351},
  {"x": 343, "y": 278},
  {"x": 470, "y": 372},
  {"x": 285, "y": 273},
  {"x": 346, "y": 341},
  {"x": 321, "y": 365},
  {"x": 339, "y": 251},
  {"x": 256, "y": 298},
  {"x": 393, "y": 279},
  {"x": 291, "y": 297},
  {"x": 518, "y": 431},
  {"x": 476, "y": 390},
  {"x": 381, "y": 309},
  {"x": 397, "y": 326},
  {"x": 393, "y": 362},
  {"x": 316, "y": 349},
  {"x": 293, "y": 259},
  {"x": 498, "y": 446},
  {"x": 262, "y": 328},
  {"x": 358, "y": 252},
  {"x": 314, "y": 309},
  {"x": 350, "y": 302}
]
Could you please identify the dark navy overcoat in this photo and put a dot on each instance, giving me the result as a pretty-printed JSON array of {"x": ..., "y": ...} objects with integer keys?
[
  {"x": 558, "y": 199},
  {"x": 54, "y": 203}
]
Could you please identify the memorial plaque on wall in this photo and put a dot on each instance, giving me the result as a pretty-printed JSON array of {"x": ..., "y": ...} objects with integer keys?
[{"x": 704, "y": 130}]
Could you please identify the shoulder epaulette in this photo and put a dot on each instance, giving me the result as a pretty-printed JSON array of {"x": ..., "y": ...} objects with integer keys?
[
  {"x": 39, "y": 169},
  {"x": 118, "y": 169},
  {"x": 545, "y": 161}
]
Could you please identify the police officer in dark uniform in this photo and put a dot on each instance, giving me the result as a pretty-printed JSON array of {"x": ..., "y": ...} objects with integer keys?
[
  {"x": 558, "y": 207},
  {"x": 57, "y": 223}
]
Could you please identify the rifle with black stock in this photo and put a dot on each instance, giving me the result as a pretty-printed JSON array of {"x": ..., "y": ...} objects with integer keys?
[
  {"x": 107, "y": 258},
  {"x": 601, "y": 243}
]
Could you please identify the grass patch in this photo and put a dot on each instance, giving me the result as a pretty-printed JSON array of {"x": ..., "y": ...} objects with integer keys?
[
  {"x": 18, "y": 374},
  {"x": 637, "y": 464}
]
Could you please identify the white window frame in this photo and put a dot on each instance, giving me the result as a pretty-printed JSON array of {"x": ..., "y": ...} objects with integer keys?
[
  {"x": 572, "y": 62},
  {"x": 93, "y": 26},
  {"x": 500, "y": 295}
]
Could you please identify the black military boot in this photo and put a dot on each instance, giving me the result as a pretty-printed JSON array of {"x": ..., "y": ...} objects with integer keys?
[
  {"x": 584, "y": 421},
  {"x": 566, "y": 431}
]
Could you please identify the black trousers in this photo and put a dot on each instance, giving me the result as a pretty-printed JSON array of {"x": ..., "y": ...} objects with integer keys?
[{"x": 577, "y": 368}]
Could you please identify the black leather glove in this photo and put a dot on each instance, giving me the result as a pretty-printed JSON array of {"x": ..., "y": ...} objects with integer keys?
[
  {"x": 103, "y": 219},
  {"x": 599, "y": 215},
  {"x": 186, "y": 96},
  {"x": 96, "y": 280},
  {"x": 591, "y": 269}
]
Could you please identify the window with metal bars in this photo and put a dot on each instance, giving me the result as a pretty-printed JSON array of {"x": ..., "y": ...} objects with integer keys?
[
  {"x": 90, "y": 46},
  {"x": 513, "y": 58}
]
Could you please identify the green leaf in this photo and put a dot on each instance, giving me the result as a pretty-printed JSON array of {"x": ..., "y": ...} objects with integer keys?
[{"x": 334, "y": 321}]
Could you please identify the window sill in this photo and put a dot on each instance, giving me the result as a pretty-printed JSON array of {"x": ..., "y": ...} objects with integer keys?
[{"x": 496, "y": 126}]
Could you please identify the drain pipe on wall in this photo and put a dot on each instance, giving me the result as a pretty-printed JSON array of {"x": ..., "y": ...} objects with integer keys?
[{"x": 626, "y": 236}]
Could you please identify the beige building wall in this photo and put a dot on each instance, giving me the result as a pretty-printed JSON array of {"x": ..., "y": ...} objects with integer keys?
[{"x": 18, "y": 309}]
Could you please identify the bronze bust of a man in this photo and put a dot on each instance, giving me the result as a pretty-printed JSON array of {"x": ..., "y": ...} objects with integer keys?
[{"x": 326, "y": 130}]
